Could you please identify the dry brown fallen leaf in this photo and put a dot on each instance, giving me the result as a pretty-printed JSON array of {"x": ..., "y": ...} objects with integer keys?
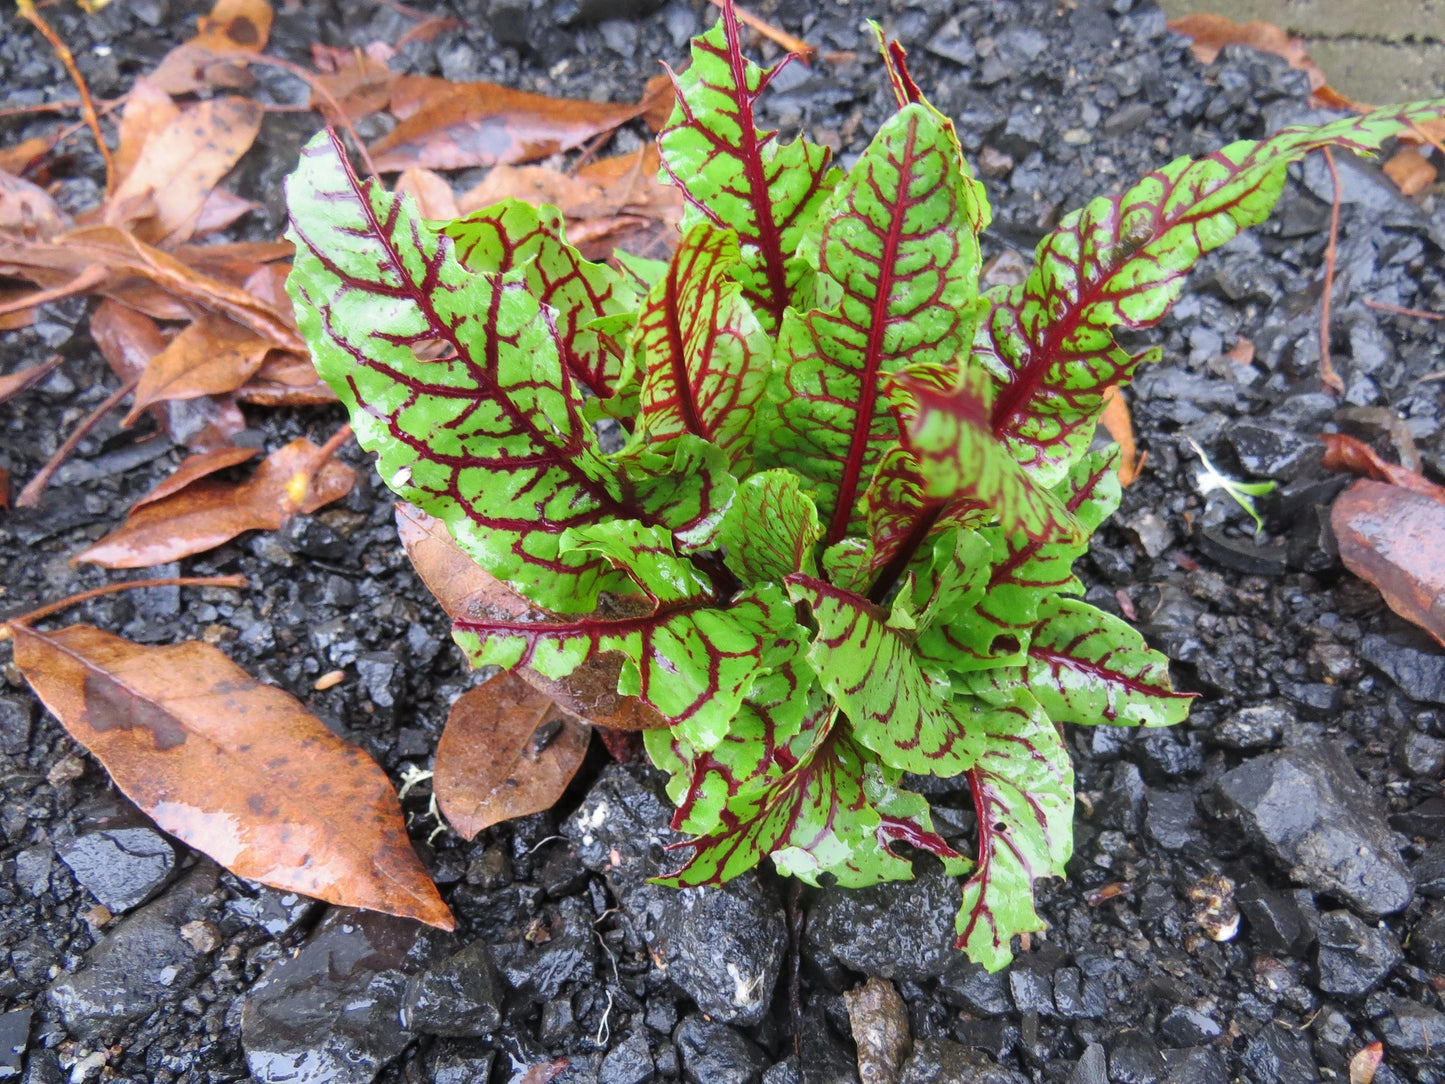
[
  {"x": 507, "y": 750},
  {"x": 1394, "y": 538},
  {"x": 1345, "y": 453},
  {"x": 359, "y": 80},
  {"x": 1210, "y": 33},
  {"x": 286, "y": 379},
  {"x": 459, "y": 125},
  {"x": 12, "y": 384},
  {"x": 466, "y": 590},
  {"x": 211, "y": 356},
  {"x": 194, "y": 468},
  {"x": 232, "y": 26},
  {"x": 1117, "y": 423},
  {"x": 144, "y": 277},
  {"x": 128, "y": 340},
  {"x": 1411, "y": 171},
  {"x": 207, "y": 513},
  {"x": 169, "y": 186},
  {"x": 1366, "y": 1063},
  {"x": 234, "y": 768},
  {"x": 434, "y": 196},
  {"x": 28, "y": 210}
]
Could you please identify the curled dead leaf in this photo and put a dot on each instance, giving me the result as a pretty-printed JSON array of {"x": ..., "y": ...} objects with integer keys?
[
  {"x": 1346, "y": 453},
  {"x": 234, "y": 768},
  {"x": 1394, "y": 538},
  {"x": 1210, "y": 33},
  {"x": 508, "y": 750},
  {"x": 206, "y": 513}
]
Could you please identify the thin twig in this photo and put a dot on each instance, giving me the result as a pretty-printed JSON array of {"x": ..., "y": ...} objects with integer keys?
[
  {"x": 796, "y": 46},
  {"x": 1420, "y": 314},
  {"x": 111, "y": 588},
  {"x": 30, "y": 495},
  {"x": 300, "y": 484},
  {"x": 87, "y": 104},
  {"x": 83, "y": 283},
  {"x": 1328, "y": 376},
  {"x": 317, "y": 87}
]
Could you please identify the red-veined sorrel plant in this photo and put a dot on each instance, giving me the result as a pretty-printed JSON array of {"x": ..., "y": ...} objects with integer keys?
[{"x": 836, "y": 545}]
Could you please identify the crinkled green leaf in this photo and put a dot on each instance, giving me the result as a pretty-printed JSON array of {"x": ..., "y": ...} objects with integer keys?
[
  {"x": 1121, "y": 262},
  {"x": 689, "y": 657},
  {"x": 490, "y": 437},
  {"x": 864, "y": 658},
  {"x": 513, "y": 234},
  {"x": 897, "y": 251},
  {"x": 739, "y": 178},
  {"x": 961, "y": 462},
  {"x": 701, "y": 354},
  {"x": 1023, "y": 797},
  {"x": 770, "y": 529},
  {"x": 1087, "y": 667}
]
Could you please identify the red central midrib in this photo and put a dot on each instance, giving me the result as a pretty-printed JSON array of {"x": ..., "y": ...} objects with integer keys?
[
  {"x": 769, "y": 240},
  {"x": 680, "y": 378},
  {"x": 853, "y": 467}
]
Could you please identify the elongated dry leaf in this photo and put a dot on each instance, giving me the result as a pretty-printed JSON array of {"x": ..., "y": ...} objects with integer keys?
[
  {"x": 1210, "y": 33},
  {"x": 508, "y": 750},
  {"x": 460, "y": 125},
  {"x": 232, "y": 26},
  {"x": 148, "y": 109},
  {"x": 1117, "y": 423},
  {"x": 1345, "y": 453},
  {"x": 129, "y": 340},
  {"x": 12, "y": 384},
  {"x": 213, "y": 356},
  {"x": 236, "y": 769},
  {"x": 359, "y": 80},
  {"x": 286, "y": 379},
  {"x": 207, "y": 513},
  {"x": 1395, "y": 538},
  {"x": 180, "y": 164},
  {"x": 467, "y": 591},
  {"x": 196, "y": 467}
]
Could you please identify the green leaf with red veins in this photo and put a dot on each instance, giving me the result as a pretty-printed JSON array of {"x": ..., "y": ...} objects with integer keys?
[
  {"x": 770, "y": 529},
  {"x": 1023, "y": 573},
  {"x": 513, "y": 234},
  {"x": 865, "y": 660},
  {"x": 739, "y": 178},
  {"x": 703, "y": 358},
  {"x": 1087, "y": 667},
  {"x": 961, "y": 462},
  {"x": 835, "y": 811},
  {"x": 895, "y": 240},
  {"x": 687, "y": 656},
  {"x": 1121, "y": 262},
  {"x": 1023, "y": 796},
  {"x": 491, "y": 438}
]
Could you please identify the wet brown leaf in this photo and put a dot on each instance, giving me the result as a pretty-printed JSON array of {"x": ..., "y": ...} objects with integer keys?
[
  {"x": 466, "y": 590},
  {"x": 234, "y": 261},
  {"x": 212, "y": 356},
  {"x": 879, "y": 1022},
  {"x": 178, "y": 166},
  {"x": 1345, "y": 453},
  {"x": 1411, "y": 171},
  {"x": 1117, "y": 423},
  {"x": 207, "y": 513},
  {"x": 460, "y": 125},
  {"x": 286, "y": 379},
  {"x": 434, "y": 197},
  {"x": 27, "y": 209},
  {"x": 1394, "y": 538},
  {"x": 167, "y": 287},
  {"x": 508, "y": 750},
  {"x": 360, "y": 80},
  {"x": 194, "y": 468},
  {"x": 129, "y": 340},
  {"x": 234, "y": 768},
  {"x": 232, "y": 26},
  {"x": 17, "y": 159},
  {"x": 12, "y": 384},
  {"x": 1210, "y": 33},
  {"x": 147, "y": 111}
]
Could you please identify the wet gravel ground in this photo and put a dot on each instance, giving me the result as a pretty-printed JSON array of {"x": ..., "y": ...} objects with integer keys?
[{"x": 1299, "y": 806}]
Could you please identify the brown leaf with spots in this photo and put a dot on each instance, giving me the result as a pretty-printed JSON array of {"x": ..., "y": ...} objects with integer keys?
[
  {"x": 212, "y": 356},
  {"x": 232, "y": 26},
  {"x": 508, "y": 750},
  {"x": 1394, "y": 538},
  {"x": 466, "y": 590},
  {"x": 170, "y": 183},
  {"x": 460, "y": 125},
  {"x": 206, "y": 513},
  {"x": 234, "y": 768}
]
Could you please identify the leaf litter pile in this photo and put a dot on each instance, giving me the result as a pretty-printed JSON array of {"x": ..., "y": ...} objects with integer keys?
[{"x": 200, "y": 341}]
